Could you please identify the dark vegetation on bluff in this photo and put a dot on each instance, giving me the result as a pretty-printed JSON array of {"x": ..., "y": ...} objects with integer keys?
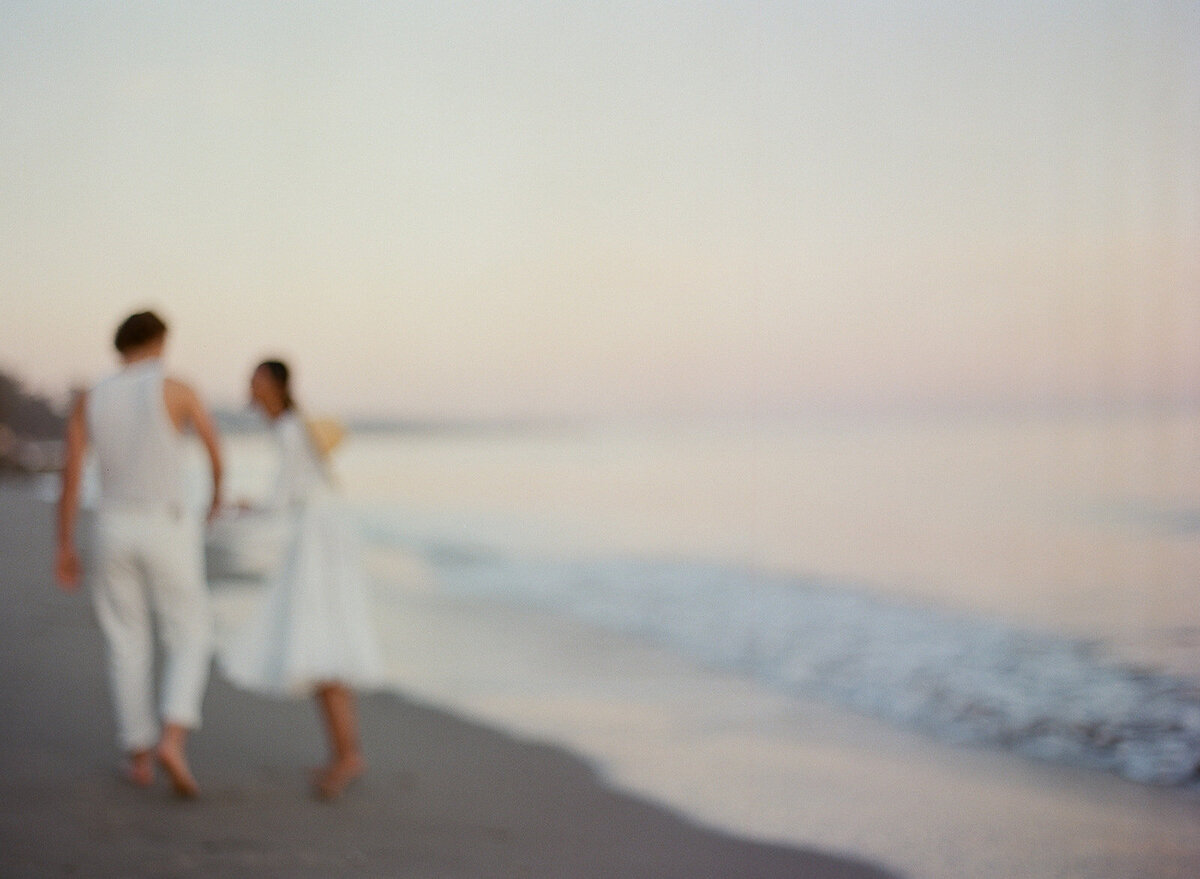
[{"x": 30, "y": 427}]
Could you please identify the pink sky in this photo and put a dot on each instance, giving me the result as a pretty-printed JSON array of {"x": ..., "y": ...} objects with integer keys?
[{"x": 608, "y": 208}]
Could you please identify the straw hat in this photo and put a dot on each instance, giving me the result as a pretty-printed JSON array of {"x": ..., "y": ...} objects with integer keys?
[{"x": 326, "y": 434}]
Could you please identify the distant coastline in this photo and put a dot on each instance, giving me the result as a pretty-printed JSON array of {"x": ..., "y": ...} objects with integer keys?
[
  {"x": 241, "y": 421},
  {"x": 31, "y": 429}
]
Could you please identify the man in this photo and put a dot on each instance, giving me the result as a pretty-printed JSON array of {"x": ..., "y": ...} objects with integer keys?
[{"x": 149, "y": 547}]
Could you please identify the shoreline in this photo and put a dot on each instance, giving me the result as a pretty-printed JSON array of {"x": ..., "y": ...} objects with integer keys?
[
  {"x": 445, "y": 797},
  {"x": 523, "y": 744},
  {"x": 738, "y": 756}
]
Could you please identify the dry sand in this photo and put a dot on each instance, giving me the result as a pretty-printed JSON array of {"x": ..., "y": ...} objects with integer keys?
[{"x": 444, "y": 797}]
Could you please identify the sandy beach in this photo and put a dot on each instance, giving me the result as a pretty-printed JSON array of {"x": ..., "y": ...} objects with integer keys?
[
  {"x": 686, "y": 773},
  {"x": 445, "y": 797}
]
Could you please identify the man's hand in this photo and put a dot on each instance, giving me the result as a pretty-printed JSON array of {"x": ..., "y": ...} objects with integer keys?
[
  {"x": 214, "y": 509},
  {"x": 67, "y": 569}
]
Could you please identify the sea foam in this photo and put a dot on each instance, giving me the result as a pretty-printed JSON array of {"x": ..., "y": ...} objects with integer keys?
[{"x": 958, "y": 677}]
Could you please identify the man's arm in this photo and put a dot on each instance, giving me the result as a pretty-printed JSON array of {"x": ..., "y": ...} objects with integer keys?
[
  {"x": 67, "y": 568},
  {"x": 206, "y": 429},
  {"x": 187, "y": 410}
]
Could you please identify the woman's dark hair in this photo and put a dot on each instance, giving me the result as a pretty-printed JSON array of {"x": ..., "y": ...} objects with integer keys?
[
  {"x": 138, "y": 330},
  {"x": 281, "y": 375}
]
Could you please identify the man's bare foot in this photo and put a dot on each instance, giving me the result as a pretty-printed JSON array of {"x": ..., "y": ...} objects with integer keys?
[
  {"x": 332, "y": 782},
  {"x": 140, "y": 771},
  {"x": 175, "y": 765}
]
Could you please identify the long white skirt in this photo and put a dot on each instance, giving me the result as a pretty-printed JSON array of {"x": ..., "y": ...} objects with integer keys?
[{"x": 314, "y": 623}]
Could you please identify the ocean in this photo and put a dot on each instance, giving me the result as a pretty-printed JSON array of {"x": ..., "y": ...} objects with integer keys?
[{"x": 1025, "y": 582}]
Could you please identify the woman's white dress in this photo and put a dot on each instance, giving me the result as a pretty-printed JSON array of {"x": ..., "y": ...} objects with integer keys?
[{"x": 314, "y": 623}]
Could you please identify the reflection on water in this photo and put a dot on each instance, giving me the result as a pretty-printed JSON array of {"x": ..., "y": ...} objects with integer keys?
[
  {"x": 991, "y": 580},
  {"x": 1079, "y": 525}
]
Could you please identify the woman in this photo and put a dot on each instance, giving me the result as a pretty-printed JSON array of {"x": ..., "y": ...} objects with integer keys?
[{"x": 312, "y": 633}]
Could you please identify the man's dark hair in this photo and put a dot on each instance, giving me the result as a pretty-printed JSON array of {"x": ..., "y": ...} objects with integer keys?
[{"x": 138, "y": 330}]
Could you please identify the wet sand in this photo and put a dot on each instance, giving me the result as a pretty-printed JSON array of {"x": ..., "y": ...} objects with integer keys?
[
  {"x": 738, "y": 755},
  {"x": 445, "y": 797}
]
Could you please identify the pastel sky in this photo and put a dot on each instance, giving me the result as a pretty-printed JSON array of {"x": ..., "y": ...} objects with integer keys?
[{"x": 539, "y": 208}]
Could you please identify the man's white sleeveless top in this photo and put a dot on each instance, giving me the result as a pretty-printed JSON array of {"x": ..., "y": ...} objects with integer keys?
[{"x": 139, "y": 453}]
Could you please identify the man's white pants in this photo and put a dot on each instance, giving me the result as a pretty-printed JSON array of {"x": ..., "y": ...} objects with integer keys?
[{"x": 151, "y": 565}]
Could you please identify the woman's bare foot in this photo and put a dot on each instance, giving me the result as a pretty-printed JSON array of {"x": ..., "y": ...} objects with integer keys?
[
  {"x": 140, "y": 771},
  {"x": 175, "y": 765},
  {"x": 332, "y": 782}
]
